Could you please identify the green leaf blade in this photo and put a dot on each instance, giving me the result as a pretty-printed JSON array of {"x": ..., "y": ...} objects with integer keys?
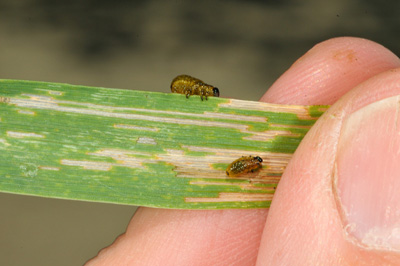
[{"x": 142, "y": 148}]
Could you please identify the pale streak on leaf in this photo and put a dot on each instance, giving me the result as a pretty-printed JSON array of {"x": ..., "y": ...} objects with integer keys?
[
  {"x": 124, "y": 158},
  {"x": 14, "y": 134},
  {"x": 226, "y": 197},
  {"x": 26, "y": 112},
  {"x": 146, "y": 140},
  {"x": 301, "y": 111},
  {"x": 247, "y": 186},
  {"x": 289, "y": 126},
  {"x": 234, "y": 117},
  {"x": 90, "y": 165},
  {"x": 3, "y": 141},
  {"x": 51, "y": 168},
  {"x": 153, "y": 129},
  {"x": 270, "y": 134}
]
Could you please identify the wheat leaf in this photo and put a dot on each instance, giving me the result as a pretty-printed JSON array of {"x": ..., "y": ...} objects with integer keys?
[{"x": 142, "y": 148}]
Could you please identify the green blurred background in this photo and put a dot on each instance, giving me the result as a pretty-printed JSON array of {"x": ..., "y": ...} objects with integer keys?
[{"x": 239, "y": 46}]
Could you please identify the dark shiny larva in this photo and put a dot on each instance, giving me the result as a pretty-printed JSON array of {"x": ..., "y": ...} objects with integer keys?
[
  {"x": 188, "y": 85},
  {"x": 244, "y": 165}
]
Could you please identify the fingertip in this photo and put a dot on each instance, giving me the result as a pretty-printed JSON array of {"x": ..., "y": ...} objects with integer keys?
[
  {"x": 306, "y": 224},
  {"x": 330, "y": 69},
  {"x": 184, "y": 237}
]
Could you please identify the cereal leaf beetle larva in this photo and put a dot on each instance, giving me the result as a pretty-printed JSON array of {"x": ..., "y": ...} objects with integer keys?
[
  {"x": 244, "y": 165},
  {"x": 188, "y": 85}
]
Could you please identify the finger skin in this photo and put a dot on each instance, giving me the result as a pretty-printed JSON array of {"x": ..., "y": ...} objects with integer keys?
[
  {"x": 304, "y": 226},
  {"x": 229, "y": 237},
  {"x": 177, "y": 237},
  {"x": 329, "y": 70}
]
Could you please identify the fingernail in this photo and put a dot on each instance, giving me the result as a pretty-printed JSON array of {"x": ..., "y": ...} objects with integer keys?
[{"x": 368, "y": 175}]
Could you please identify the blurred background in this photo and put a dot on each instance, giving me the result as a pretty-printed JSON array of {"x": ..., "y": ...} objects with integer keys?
[{"x": 239, "y": 46}]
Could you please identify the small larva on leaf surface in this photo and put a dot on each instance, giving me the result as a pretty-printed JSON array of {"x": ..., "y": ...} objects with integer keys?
[
  {"x": 188, "y": 85},
  {"x": 244, "y": 165}
]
